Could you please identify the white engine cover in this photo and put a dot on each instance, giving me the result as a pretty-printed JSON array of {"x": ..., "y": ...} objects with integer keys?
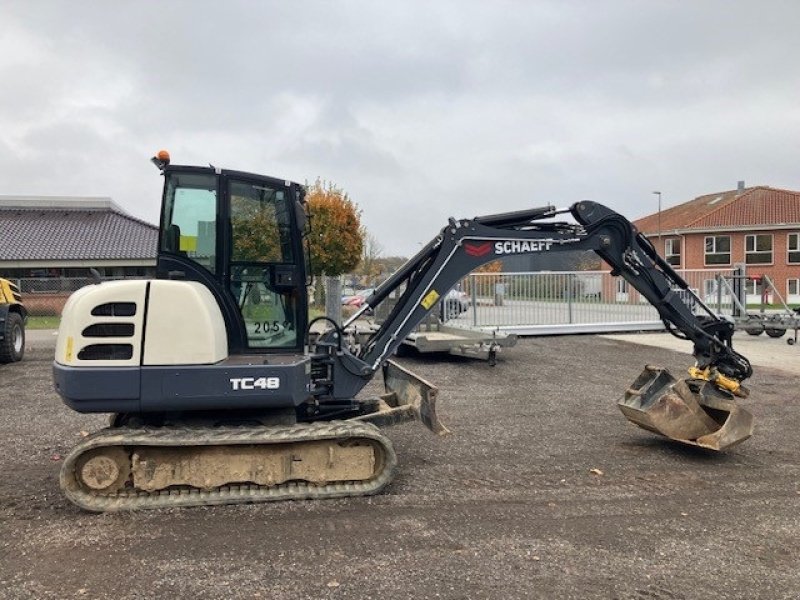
[{"x": 184, "y": 325}]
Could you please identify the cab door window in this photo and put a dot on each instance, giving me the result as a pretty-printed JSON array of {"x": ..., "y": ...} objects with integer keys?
[{"x": 261, "y": 256}]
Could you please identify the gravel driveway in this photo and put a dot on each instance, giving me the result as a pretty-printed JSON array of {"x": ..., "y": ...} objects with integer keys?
[{"x": 542, "y": 491}]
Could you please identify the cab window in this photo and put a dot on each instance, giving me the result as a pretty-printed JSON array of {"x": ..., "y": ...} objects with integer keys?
[
  {"x": 190, "y": 218},
  {"x": 261, "y": 249}
]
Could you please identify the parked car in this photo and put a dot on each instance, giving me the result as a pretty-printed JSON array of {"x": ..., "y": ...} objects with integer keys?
[
  {"x": 453, "y": 304},
  {"x": 358, "y": 299}
]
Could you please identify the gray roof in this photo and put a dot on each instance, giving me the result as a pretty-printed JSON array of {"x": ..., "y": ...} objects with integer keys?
[{"x": 67, "y": 228}]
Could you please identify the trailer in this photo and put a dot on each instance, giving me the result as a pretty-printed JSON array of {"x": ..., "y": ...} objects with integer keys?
[
  {"x": 433, "y": 335},
  {"x": 774, "y": 324}
]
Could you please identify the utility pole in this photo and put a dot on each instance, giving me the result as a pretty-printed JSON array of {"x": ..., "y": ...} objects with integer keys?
[{"x": 659, "y": 221}]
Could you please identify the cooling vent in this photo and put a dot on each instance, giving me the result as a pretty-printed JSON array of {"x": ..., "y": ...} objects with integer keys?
[
  {"x": 115, "y": 309},
  {"x": 106, "y": 352},
  {"x": 109, "y": 330}
]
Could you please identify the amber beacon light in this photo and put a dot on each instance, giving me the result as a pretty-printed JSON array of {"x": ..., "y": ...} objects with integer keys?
[{"x": 161, "y": 159}]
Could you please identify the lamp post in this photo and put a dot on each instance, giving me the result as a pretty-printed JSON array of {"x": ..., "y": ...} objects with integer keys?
[{"x": 659, "y": 217}]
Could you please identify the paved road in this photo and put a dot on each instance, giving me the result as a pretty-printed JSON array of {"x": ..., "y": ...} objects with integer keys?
[{"x": 762, "y": 350}]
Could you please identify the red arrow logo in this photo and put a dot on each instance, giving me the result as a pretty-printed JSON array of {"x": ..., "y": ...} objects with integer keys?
[{"x": 478, "y": 249}]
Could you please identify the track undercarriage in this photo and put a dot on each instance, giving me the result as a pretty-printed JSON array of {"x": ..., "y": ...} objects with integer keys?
[
  {"x": 151, "y": 462},
  {"x": 131, "y": 468}
]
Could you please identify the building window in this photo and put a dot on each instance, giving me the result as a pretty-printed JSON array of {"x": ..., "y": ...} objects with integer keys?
[
  {"x": 672, "y": 252},
  {"x": 793, "y": 243},
  {"x": 718, "y": 250},
  {"x": 758, "y": 249},
  {"x": 751, "y": 287},
  {"x": 793, "y": 287}
]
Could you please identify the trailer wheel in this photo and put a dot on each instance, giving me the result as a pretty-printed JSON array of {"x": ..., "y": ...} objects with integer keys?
[
  {"x": 754, "y": 331},
  {"x": 790, "y": 341},
  {"x": 12, "y": 348},
  {"x": 775, "y": 333}
]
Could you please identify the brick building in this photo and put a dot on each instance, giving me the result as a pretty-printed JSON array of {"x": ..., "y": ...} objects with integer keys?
[{"x": 755, "y": 226}]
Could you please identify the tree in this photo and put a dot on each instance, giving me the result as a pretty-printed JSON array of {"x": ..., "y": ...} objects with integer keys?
[
  {"x": 484, "y": 279},
  {"x": 336, "y": 235},
  {"x": 370, "y": 267},
  {"x": 588, "y": 261},
  {"x": 256, "y": 234}
]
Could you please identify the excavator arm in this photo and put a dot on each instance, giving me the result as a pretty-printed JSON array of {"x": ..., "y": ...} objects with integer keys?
[{"x": 466, "y": 244}]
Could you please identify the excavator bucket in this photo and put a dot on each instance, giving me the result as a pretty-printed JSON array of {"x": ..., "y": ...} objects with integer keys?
[
  {"x": 408, "y": 397},
  {"x": 690, "y": 411}
]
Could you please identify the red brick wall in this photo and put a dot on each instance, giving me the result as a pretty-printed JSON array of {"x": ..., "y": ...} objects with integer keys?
[
  {"x": 45, "y": 305},
  {"x": 693, "y": 255}
]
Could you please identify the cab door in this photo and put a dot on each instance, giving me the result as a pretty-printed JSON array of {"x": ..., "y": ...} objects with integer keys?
[
  {"x": 239, "y": 235},
  {"x": 265, "y": 277}
]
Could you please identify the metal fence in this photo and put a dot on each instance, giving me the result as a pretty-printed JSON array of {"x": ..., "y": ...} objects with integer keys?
[
  {"x": 574, "y": 301},
  {"x": 522, "y": 303}
]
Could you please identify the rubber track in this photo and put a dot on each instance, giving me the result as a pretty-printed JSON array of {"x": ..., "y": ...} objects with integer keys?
[{"x": 228, "y": 494}]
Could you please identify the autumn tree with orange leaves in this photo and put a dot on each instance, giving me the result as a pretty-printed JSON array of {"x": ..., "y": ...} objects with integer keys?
[
  {"x": 492, "y": 275},
  {"x": 337, "y": 239}
]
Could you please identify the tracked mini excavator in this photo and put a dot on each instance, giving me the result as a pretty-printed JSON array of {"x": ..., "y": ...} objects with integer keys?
[{"x": 217, "y": 398}]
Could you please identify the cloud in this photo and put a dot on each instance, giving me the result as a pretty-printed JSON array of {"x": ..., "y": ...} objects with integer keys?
[{"x": 419, "y": 110}]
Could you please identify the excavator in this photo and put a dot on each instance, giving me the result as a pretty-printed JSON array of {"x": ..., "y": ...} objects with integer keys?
[{"x": 219, "y": 395}]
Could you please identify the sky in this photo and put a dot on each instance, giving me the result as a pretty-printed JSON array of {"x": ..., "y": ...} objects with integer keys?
[{"x": 419, "y": 110}]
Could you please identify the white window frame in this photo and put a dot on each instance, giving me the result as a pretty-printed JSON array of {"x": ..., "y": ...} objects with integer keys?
[
  {"x": 789, "y": 291},
  {"x": 669, "y": 251},
  {"x": 714, "y": 252},
  {"x": 754, "y": 251},
  {"x": 790, "y": 249}
]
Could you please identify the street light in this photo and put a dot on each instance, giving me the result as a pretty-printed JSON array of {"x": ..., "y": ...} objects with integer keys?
[{"x": 659, "y": 216}]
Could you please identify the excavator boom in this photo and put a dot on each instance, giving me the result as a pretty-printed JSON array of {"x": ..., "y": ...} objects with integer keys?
[{"x": 465, "y": 245}]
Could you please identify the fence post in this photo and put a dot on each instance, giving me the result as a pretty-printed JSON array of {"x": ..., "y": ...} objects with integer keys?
[
  {"x": 739, "y": 288},
  {"x": 472, "y": 290},
  {"x": 333, "y": 299},
  {"x": 570, "y": 277}
]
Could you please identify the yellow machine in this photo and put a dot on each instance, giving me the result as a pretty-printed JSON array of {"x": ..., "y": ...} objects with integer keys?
[{"x": 12, "y": 323}]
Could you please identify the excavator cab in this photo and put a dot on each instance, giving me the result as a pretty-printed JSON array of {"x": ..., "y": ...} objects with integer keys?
[{"x": 240, "y": 235}]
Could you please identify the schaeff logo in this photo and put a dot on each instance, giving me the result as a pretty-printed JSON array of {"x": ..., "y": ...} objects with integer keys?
[{"x": 507, "y": 247}]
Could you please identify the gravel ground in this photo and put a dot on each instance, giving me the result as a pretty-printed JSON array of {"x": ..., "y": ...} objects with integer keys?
[{"x": 505, "y": 507}]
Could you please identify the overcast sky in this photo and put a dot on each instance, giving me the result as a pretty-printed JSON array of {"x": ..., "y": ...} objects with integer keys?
[{"x": 420, "y": 110}]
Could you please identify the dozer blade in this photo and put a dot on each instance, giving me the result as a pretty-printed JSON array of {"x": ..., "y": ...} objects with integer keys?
[
  {"x": 690, "y": 411},
  {"x": 407, "y": 397}
]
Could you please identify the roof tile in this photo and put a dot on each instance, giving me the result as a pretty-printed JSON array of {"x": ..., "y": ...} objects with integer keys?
[
  {"x": 759, "y": 205},
  {"x": 74, "y": 233}
]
